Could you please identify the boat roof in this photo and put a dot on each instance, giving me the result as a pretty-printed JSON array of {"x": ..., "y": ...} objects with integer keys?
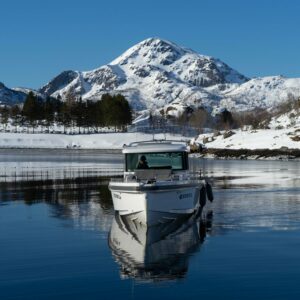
[{"x": 156, "y": 146}]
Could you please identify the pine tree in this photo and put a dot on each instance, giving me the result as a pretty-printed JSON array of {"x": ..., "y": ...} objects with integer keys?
[
  {"x": 125, "y": 114},
  {"x": 4, "y": 115},
  {"x": 15, "y": 115},
  {"x": 68, "y": 110},
  {"x": 108, "y": 110},
  {"x": 57, "y": 109},
  {"x": 65, "y": 116},
  {"x": 31, "y": 109},
  {"x": 96, "y": 114},
  {"x": 78, "y": 113},
  {"x": 49, "y": 111},
  {"x": 225, "y": 120},
  {"x": 116, "y": 111}
]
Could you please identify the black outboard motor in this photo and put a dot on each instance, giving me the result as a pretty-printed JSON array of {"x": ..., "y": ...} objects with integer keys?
[
  {"x": 202, "y": 196},
  {"x": 209, "y": 192}
]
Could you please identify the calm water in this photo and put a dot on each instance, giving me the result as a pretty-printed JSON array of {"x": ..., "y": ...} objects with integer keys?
[{"x": 60, "y": 239}]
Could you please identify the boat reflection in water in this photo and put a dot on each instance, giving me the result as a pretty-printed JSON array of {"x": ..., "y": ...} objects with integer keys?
[{"x": 158, "y": 252}]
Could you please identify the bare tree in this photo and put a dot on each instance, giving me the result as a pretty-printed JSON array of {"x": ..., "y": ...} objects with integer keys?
[{"x": 198, "y": 119}]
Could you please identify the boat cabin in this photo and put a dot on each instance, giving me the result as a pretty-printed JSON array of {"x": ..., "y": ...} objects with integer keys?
[{"x": 156, "y": 159}]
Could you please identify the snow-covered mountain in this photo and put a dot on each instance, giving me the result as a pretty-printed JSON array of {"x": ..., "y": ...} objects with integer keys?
[
  {"x": 156, "y": 73},
  {"x": 151, "y": 74},
  {"x": 10, "y": 96}
]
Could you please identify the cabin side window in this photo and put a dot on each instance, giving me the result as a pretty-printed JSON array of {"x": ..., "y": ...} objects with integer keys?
[{"x": 163, "y": 160}]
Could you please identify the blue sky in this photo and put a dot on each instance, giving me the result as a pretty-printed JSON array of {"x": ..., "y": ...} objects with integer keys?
[{"x": 39, "y": 39}]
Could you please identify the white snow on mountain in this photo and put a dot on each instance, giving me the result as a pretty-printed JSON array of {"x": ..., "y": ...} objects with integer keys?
[
  {"x": 27, "y": 90},
  {"x": 156, "y": 73},
  {"x": 151, "y": 74}
]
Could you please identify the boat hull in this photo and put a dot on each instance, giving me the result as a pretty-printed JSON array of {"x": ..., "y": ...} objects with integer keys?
[{"x": 156, "y": 204}]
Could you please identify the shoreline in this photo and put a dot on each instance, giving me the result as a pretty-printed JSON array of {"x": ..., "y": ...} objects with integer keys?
[
  {"x": 102, "y": 150},
  {"x": 210, "y": 153},
  {"x": 112, "y": 143},
  {"x": 253, "y": 154},
  {"x": 100, "y": 141}
]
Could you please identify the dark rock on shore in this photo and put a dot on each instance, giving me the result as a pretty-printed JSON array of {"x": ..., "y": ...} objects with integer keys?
[{"x": 254, "y": 154}]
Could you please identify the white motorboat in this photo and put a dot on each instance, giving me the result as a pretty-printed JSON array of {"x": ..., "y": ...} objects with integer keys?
[{"x": 157, "y": 185}]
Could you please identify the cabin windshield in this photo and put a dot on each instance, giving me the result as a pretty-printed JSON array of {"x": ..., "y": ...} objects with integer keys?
[{"x": 162, "y": 160}]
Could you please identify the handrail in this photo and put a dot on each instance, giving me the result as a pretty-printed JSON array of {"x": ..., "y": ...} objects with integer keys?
[
  {"x": 192, "y": 176},
  {"x": 155, "y": 141}
]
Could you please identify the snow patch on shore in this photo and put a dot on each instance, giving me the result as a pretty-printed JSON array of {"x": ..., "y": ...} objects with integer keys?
[
  {"x": 253, "y": 139},
  {"x": 238, "y": 139},
  {"x": 79, "y": 141}
]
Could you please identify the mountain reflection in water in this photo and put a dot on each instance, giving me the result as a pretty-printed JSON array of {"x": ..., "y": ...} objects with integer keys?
[{"x": 158, "y": 252}]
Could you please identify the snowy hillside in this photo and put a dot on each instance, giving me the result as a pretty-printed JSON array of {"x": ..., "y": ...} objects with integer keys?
[
  {"x": 262, "y": 92},
  {"x": 254, "y": 139},
  {"x": 285, "y": 120}
]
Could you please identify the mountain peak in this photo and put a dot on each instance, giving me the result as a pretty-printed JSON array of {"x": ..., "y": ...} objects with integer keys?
[
  {"x": 153, "y": 73},
  {"x": 149, "y": 49},
  {"x": 160, "y": 44},
  {"x": 63, "y": 79}
]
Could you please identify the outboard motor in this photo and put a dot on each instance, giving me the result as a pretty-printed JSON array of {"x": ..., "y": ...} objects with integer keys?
[
  {"x": 202, "y": 196},
  {"x": 209, "y": 192}
]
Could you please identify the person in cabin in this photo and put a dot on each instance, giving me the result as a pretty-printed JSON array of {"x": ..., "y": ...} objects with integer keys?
[{"x": 143, "y": 164}]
